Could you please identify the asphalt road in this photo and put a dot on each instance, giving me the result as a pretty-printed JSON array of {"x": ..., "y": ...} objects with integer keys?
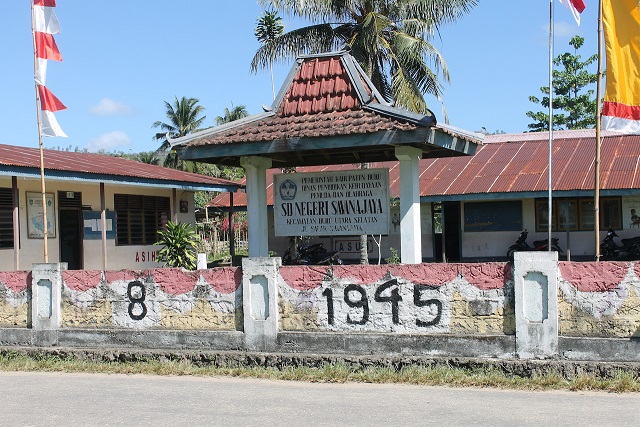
[{"x": 57, "y": 399}]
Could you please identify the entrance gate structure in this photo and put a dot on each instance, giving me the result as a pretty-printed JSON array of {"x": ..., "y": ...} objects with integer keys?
[{"x": 328, "y": 112}]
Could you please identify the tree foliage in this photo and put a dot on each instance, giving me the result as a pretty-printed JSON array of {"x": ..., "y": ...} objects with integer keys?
[
  {"x": 179, "y": 241},
  {"x": 574, "y": 106},
  {"x": 268, "y": 28},
  {"x": 148, "y": 157},
  {"x": 235, "y": 113},
  {"x": 185, "y": 116},
  {"x": 390, "y": 39}
]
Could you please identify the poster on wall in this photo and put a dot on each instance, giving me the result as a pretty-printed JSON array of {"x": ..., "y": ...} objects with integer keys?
[
  {"x": 631, "y": 212},
  {"x": 92, "y": 222},
  {"x": 35, "y": 215},
  {"x": 340, "y": 203}
]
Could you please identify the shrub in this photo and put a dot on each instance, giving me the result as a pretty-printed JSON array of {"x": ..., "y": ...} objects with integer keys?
[{"x": 179, "y": 241}]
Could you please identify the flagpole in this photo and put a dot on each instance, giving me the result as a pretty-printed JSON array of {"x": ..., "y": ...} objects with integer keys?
[
  {"x": 596, "y": 186},
  {"x": 42, "y": 183},
  {"x": 549, "y": 205}
]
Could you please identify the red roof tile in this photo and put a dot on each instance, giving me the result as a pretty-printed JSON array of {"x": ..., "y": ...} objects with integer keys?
[{"x": 321, "y": 100}]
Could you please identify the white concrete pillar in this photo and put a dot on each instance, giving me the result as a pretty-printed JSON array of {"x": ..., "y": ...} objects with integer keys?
[
  {"x": 46, "y": 296},
  {"x": 202, "y": 262},
  {"x": 256, "y": 173},
  {"x": 410, "y": 230},
  {"x": 536, "y": 304},
  {"x": 260, "y": 302}
]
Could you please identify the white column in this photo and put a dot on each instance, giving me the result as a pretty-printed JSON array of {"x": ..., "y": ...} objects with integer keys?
[
  {"x": 256, "y": 173},
  {"x": 536, "y": 304},
  {"x": 410, "y": 230},
  {"x": 260, "y": 302},
  {"x": 46, "y": 296}
]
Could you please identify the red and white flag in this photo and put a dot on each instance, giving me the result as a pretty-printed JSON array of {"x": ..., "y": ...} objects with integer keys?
[
  {"x": 49, "y": 125},
  {"x": 49, "y": 103},
  {"x": 48, "y": 100},
  {"x": 45, "y": 24},
  {"x": 46, "y": 47},
  {"x": 45, "y": 20},
  {"x": 575, "y": 6}
]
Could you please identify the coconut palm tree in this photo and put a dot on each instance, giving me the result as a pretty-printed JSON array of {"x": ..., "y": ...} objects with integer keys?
[
  {"x": 235, "y": 113},
  {"x": 148, "y": 157},
  {"x": 268, "y": 28},
  {"x": 388, "y": 38},
  {"x": 184, "y": 117}
]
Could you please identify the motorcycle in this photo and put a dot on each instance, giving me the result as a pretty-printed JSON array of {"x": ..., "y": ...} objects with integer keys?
[
  {"x": 314, "y": 254},
  {"x": 629, "y": 250},
  {"x": 538, "y": 245}
]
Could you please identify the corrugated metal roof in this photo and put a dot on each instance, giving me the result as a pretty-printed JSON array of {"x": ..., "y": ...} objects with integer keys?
[
  {"x": 519, "y": 164},
  {"x": 74, "y": 163}
]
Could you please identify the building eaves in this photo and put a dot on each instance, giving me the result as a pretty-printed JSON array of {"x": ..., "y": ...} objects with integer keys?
[
  {"x": 62, "y": 165},
  {"x": 518, "y": 169},
  {"x": 212, "y": 132}
]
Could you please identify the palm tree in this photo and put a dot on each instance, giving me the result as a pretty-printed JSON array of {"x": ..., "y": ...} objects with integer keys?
[
  {"x": 235, "y": 113},
  {"x": 268, "y": 28},
  {"x": 148, "y": 157},
  {"x": 184, "y": 118},
  {"x": 388, "y": 38}
]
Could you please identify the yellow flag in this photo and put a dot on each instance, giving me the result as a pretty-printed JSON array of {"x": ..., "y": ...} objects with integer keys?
[{"x": 621, "y": 108}]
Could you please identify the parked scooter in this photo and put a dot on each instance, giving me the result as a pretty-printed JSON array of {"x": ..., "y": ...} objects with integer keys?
[
  {"x": 314, "y": 254},
  {"x": 538, "y": 245},
  {"x": 610, "y": 250}
]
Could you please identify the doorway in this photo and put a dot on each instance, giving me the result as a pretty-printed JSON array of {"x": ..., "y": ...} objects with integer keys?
[
  {"x": 445, "y": 218},
  {"x": 71, "y": 229}
]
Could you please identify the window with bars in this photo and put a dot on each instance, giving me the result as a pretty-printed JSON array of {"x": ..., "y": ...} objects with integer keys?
[
  {"x": 6, "y": 218},
  {"x": 139, "y": 218}
]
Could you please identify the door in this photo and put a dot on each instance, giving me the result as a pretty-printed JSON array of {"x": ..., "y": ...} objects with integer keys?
[
  {"x": 70, "y": 229},
  {"x": 446, "y": 231}
]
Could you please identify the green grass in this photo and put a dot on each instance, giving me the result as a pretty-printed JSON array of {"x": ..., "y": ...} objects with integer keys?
[{"x": 339, "y": 372}]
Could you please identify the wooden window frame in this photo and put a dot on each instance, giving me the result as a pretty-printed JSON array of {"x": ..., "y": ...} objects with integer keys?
[
  {"x": 139, "y": 218},
  {"x": 582, "y": 207},
  {"x": 6, "y": 218}
]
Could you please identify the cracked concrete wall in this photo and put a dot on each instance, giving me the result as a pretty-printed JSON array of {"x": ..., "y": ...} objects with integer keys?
[
  {"x": 157, "y": 298},
  {"x": 599, "y": 299},
  {"x": 13, "y": 298},
  {"x": 423, "y": 298},
  {"x": 594, "y": 299}
]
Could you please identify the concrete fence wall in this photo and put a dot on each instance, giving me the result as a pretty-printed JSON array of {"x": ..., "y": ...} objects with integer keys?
[{"x": 535, "y": 308}]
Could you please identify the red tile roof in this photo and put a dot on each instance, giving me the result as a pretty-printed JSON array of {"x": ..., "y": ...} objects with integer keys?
[
  {"x": 99, "y": 164},
  {"x": 320, "y": 101},
  {"x": 321, "y": 85},
  {"x": 333, "y": 123},
  {"x": 327, "y": 111},
  {"x": 513, "y": 163}
]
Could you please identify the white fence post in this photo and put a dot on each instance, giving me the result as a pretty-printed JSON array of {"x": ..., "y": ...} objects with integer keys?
[
  {"x": 536, "y": 304},
  {"x": 46, "y": 300},
  {"x": 260, "y": 302}
]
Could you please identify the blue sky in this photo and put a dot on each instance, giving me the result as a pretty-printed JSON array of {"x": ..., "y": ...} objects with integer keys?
[{"x": 122, "y": 59}]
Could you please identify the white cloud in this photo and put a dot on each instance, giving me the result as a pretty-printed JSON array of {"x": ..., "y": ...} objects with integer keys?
[
  {"x": 109, "y": 107},
  {"x": 109, "y": 142},
  {"x": 565, "y": 29}
]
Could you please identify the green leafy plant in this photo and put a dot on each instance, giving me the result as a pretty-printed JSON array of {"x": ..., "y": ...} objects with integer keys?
[
  {"x": 394, "y": 258},
  {"x": 179, "y": 241}
]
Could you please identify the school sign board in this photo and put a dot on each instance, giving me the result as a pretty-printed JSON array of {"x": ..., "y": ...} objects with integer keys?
[{"x": 339, "y": 203}]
